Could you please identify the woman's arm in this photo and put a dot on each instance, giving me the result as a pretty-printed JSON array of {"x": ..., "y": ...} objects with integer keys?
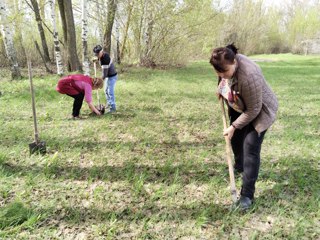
[
  {"x": 88, "y": 97},
  {"x": 93, "y": 108}
]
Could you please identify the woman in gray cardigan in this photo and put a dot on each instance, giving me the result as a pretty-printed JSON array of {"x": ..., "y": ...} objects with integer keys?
[{"x": 252, "y": 110}]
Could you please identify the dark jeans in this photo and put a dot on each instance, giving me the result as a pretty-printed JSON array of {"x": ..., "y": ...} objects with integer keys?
[
  {"x": 246, "y": 145},
  {"x": 77, "y": 104}
]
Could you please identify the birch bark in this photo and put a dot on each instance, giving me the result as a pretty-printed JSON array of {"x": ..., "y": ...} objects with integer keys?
[
  {"x": 7, "y": 34},
  {"x": 85, "y": 58},
  {"x": 57, "y": 50}
]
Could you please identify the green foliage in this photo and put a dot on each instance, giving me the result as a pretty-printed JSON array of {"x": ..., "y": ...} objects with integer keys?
[
  {"x": 303, "y": 25},
  {"x": 156, "y": 169}
]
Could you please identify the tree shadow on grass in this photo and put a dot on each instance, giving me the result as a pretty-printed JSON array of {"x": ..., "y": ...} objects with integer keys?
[
  {"x": 167, "y": 174},
  {"x": 64, "y": 143},
  {"x": 202, "y": 213}
]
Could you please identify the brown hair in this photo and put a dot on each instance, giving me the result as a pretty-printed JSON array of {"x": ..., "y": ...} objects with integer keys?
[
  {"x": 97, "y": 83},
  {"x": 223, "y": 56}
]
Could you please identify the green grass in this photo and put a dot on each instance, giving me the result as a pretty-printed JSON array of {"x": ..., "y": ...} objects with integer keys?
[{"x": 156, "y": 168}]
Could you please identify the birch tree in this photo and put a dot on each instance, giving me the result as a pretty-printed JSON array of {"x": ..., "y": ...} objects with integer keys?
[
  {"x": 85, "y": 58},
  {"x": 18, "y": 21},
  {"x": 147, "y": 31},
  {"x": 57, "y": 50},
  {"x": 7, "y": 35},
  {"x": 99, "y": 25}
]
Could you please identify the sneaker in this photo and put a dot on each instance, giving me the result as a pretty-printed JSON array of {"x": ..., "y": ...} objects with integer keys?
[
  {"x": 75, "y": 117},
  {"x": 244, "y": 203},
  {"x": 112, "y": 110}
]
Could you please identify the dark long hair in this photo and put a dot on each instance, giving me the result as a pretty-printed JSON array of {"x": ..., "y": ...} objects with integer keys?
[{"x": 223, "y": 56}]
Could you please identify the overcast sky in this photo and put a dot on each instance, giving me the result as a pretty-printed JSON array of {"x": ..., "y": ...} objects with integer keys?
[{"x": 226, "y": 3}]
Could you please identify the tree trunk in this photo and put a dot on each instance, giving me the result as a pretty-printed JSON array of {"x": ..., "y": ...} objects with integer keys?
[
  {"x": 100, "y": 24},
  {"x": 145, "y": 58},
  {"x": 8, "y": 42},
  {"x": 117, "y": 55},
  {"x": 42, "y": 57},
  {"x": 69, "y": 32},
  {"x": 63, "y": 20},
  {"x": 56, "y": 39},
  {"x": 85, "y": 57},
  {"x": 126, "y": 29},
  {"x": 41, "y": 30},
  {"x": 64, "y": 31},
  {"x": 112, "y": 7},
  {"x": 42, "y": 9},
  {"x": 23, "y": 57}
]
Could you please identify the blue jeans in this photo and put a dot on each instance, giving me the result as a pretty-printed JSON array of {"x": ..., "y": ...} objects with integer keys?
[{"x": 110, "y": 83}]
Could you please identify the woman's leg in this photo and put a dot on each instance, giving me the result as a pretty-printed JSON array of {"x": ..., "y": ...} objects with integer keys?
[
  {"x": 237, "y": 147},
  {"x": 251, "y": 160},
  {"x": 237, "y": 141},
  {"x": 77, "y": 104},
  {"x": 110, "y": 86},
  {"x": 106, "y": 91}
]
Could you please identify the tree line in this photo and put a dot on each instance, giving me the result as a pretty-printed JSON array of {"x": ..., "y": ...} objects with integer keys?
[{"x": 59, "y": 35}]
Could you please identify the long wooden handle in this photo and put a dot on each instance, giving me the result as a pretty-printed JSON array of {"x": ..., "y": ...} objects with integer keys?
[
  {"x": 95, "y": 69},
  {"x": 228, "y": 154},
  {"x": 95, "y": 76},
  {"x": 36, "y": 135}
]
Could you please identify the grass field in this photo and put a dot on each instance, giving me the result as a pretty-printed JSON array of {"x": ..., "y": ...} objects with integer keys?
[{"x": 156, "y": 169}]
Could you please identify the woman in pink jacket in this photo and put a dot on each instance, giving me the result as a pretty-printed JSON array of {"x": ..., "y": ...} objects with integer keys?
[
  {"x": 252, "y": 109},
  {"x": 79, "y": 87}
]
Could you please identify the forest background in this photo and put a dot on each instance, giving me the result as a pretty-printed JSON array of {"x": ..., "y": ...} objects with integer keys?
[{"x": 60, "y": 35}]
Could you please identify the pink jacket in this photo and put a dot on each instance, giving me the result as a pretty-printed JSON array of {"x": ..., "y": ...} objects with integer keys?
[{"x": 75, "y": 84}]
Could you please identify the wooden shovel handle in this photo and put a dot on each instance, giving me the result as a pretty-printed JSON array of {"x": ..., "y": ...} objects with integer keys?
[
  {"x": 228, "y": 154},
  {"x": 95, "y": 76},
  {"x": 36, "y": 135}
]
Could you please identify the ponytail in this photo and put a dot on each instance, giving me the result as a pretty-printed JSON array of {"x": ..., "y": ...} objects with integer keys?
[{"x": 233, "y": 48}]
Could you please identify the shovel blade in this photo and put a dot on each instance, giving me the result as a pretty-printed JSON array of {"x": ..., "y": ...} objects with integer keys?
[
  {"x": 101, "y": 108},
  {"x": 37, "y": 148}
]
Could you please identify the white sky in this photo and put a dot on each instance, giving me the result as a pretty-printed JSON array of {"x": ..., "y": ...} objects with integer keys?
[{"x": 226, "y": 3}]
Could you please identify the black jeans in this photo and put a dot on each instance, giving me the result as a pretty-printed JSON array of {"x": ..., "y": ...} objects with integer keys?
[
  {"x": 77, "y": 104},
  {"x": 246, "y": 146}
]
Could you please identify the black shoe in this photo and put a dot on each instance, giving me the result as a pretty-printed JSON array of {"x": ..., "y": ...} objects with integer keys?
[{"x": 244, "y": 203}]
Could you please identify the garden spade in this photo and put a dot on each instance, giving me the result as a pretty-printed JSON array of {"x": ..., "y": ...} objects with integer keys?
[
  {"x": 228, "y": 154},
  {"x": 37, "y": 145},
  {"x": 100, "y": 107}
]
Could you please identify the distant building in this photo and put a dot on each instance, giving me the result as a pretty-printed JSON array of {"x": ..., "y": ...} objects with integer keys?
[{"x": 311, "y": 46}]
